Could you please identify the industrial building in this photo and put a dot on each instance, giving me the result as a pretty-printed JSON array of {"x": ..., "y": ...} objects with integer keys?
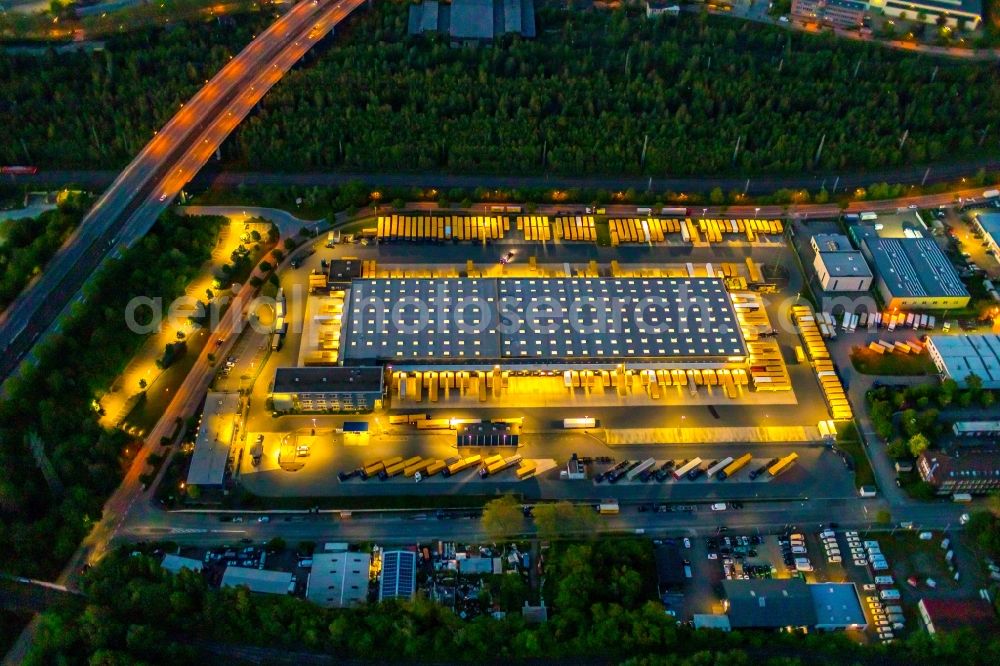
[
  {"x": 958, "y": 356},
  {"x": 976, "y": 473},
  {"x": 339, "y": 580},
  {"x": 399, "y": 575},
  {"x": 473, "y": 20},
  {"x": 954, "y": 614},
  {"x": 327, "y": 389},
  {"x": 963, "y": 14},
  {"x": 988, "y": 224},
  {"x": 911, "y": 273},
  {"x": 478, "y": 321},
  {"x": 842, "y": 14},
  {"x": 768, "y": 603},
  {"x": 976, "y": 428},
  {"x": 210, "y": 460},
  {"x": 257, "y": 580},
  {"x": 837, "y": 606},
  {"x": 839, "y": 267},
  {"x": 174, "y": 563},
  {"x": 791, "y": 602}
]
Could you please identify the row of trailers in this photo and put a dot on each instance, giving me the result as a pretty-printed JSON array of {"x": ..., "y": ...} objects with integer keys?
[
  {"x": 720, "y": 470},
  {"x": 819, "y": 355},
  {"x": 767, "y": 368},
  {"x": 442, "y": 228},
  {"x": 705, "y": 230},
  {"x": 419, "y": 468}
]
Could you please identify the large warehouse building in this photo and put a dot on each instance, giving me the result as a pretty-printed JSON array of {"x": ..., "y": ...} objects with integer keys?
[{"x": 476, "y": 321}]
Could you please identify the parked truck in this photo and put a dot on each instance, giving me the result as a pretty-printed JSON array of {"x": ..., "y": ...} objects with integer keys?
[
  {"x": 397, "y": 468},
  {"x": 608, "y": 507},
  {"x": 734, "y": 466}
]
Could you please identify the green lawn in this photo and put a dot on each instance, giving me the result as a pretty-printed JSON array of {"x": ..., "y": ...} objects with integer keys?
[
  {"x": 849, "y": 441},
  {"x": 868, "y": 362}
]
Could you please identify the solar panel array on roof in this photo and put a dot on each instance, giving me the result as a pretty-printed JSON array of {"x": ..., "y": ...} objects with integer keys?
[{"x": 399, "y": 575}]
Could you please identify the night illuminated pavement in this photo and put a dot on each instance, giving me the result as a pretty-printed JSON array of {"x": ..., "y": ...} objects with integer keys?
[
  {"x": 421, "y": 525},
  {"x": 126, "y": 211},
  {"x": 760, "y": 184}
]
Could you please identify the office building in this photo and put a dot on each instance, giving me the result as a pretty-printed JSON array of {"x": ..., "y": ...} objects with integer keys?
[
  {"x": 839, "y": 267},
  {"x": 841, "y": 14},
  {"x": 327, "y": 389},
  {"x": 976, "y": 473}
]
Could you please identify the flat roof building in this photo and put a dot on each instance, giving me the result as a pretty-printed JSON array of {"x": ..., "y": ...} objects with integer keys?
[
  {"x": 343, "y": 270},
  {"x": 976, "y": 428},
  {"x": 257, "y": 580},
  {"x": 210, "y": 460},
  {"x": 483, "y": 321},
  {"x": 953, "y": 614},
  {"x": 837, "y": 606},
  {"x": 769, "y": 603},
  {"x": 174, "y": 563},
  {"x": 964, "y": 14},
  {"x": 958, "y": 356},
  {"x": 971, "y": 472},
  {"x": 843, "y": 14},
  {"x": 473, "y": 20},
  {"x": 988, "y": 225},
  {"x": 839, "y": 267},
  {"x": 338, "y": 579},
  {"x": 912, "y": 273},
  {"x": 327, "y": 389},
  {"x": 399, "y": 575}
]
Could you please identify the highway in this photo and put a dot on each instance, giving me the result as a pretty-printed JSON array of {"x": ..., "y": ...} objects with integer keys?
[{"x": 148, "y": 185}]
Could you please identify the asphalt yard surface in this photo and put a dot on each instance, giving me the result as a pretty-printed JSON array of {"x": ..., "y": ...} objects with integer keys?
[{"x": 818, "y": 472}]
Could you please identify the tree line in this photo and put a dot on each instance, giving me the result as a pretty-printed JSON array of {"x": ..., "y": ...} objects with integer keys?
[
  {"x": 597, "y": 92},
  {"x": 57, "y": 464},
  {"x": 602, "y": 606}
]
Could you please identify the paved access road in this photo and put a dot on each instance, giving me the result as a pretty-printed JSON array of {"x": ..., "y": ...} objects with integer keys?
[
  {"x": 753, "y": 185},
  {"x": 130, "y": 206}
]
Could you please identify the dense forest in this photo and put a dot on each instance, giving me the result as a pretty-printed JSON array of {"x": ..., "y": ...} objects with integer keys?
[
  {"x": 56, "y": 463},
  {"x": 98, "y": 109},
  {"x": 582, "y": 98},
  {"x": 600, "y": 595}
]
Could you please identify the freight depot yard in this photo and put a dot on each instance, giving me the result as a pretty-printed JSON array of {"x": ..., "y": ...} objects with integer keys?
[{"x": 432, "y": 344}]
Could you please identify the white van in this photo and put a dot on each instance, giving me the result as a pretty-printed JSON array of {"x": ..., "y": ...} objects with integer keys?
[
  {"x": 890, "y": 595},
  {"x": 884, "y": 580}
]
